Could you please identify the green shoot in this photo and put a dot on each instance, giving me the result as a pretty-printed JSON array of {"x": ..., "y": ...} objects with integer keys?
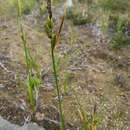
[
  {"x": 66, "y": 82},
  {"x": 33, "y": 80}
]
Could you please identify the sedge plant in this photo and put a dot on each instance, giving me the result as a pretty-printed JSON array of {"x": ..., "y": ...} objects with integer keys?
[
  {"x": 33, "y": 78},
  {"x": 54, "y": 38}
]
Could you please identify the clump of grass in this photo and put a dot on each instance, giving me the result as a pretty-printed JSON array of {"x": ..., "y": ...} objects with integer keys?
[
  {"x": 66, "y": 82},
  {"x": 54, "y": 37},
  {"x": 104, "y": 21},
  {"x": 26, "y": 5},
  {"x": 120, "y": 24},
  {"x": 88, "y": 122},
  {"x": 77, "y": 18},
  {"x": 115, "y": 5},
  {"x": 33, "y": 78},
  {"x": 56, "y": 1},
  {"x": 69, "y": 13},
  {"x": 120, "y": 39},
  {"x": 42, "y": 7}
]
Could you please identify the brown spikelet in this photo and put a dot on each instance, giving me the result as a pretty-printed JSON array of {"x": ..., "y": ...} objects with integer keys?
[{"x": 49, "y": 8}]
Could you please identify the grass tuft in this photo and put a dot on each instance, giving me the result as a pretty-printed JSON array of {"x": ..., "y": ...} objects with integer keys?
[{"x": 33, "y": 79}]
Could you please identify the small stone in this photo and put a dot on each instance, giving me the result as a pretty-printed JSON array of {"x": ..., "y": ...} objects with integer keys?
[
  {"x": 39, "y": 116},
  {"x": 100, "y": 88},
  {"x": 4, "y": 26},
  {"x": 91, "y": 88},
  {"x": 50, "y": 124},
  {"x": 120, "y": 80}
]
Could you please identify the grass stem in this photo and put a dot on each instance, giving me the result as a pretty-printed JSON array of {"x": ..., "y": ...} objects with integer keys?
[{"x": 58, "y": 90}]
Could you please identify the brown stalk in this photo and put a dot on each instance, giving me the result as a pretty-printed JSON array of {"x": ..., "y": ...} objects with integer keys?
[
  {"x": 60, "y": 28},
  {"x": 61, "y": 25}
]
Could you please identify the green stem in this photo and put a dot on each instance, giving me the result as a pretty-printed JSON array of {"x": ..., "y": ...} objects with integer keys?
[
  {"x": 27, "y": 56},
  {"x": 21, "y": 31},
  {"x": 30, "y": 94},
  {"x": 58, "y": 89}
]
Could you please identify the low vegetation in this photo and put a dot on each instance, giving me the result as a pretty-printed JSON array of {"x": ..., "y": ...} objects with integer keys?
[{"x": 33, "y": 75}]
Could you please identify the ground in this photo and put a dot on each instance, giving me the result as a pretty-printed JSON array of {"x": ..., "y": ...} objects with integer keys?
[{"x": 98, "y": 75}]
